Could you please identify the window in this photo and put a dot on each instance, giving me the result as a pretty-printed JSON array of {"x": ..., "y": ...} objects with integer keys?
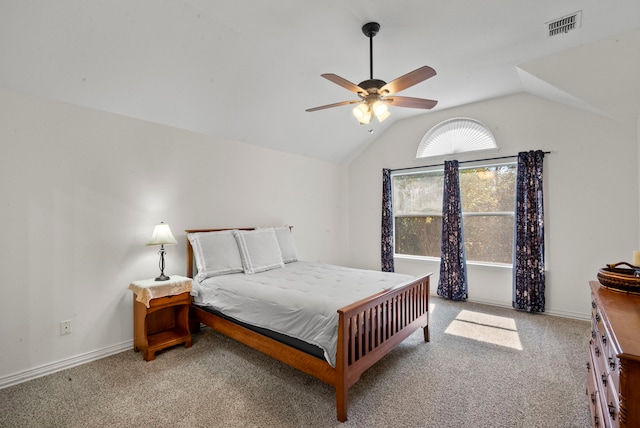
[
  {"x": 487, "y": 196},
  {"x": 457, "y": 135}
]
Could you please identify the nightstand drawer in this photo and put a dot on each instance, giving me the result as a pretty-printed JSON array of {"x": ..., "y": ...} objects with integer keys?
[{"x": 178, "y": 299}]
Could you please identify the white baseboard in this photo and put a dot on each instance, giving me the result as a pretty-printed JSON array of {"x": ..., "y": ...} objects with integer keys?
[
  {"x": 66, "y": 363},
  {"x": 586, "y": 316},
  {"x": 567, "y": 314}
]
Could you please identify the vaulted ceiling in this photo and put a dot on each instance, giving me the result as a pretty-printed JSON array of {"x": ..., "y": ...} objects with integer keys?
[{"x": 247, "y": 70}]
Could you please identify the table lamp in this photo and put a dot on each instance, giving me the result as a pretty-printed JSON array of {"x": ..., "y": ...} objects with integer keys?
[{"x": 161, "y": 236}]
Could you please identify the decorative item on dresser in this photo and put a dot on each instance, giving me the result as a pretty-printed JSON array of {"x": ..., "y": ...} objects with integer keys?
[
  {"x": 160, "y": 314},
  {"x": 621, "y": 279},
  {"x": 613, "y": 379}
]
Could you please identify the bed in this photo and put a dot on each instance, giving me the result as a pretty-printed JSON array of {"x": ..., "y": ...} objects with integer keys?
[{"x": 364, "y": 330}]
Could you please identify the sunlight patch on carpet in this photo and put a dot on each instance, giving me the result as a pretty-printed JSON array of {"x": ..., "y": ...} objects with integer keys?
[{"x": 486, "y": 328}]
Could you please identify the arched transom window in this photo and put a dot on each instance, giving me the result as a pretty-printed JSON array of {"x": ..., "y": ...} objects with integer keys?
[{"x": 456, "y": 135}]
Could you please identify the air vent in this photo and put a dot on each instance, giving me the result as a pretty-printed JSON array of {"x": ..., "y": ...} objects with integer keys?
[{"x": 565, "y": 24}]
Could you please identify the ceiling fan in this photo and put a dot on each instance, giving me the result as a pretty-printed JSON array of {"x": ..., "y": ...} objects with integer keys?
[{"x": 377, "y": 95}]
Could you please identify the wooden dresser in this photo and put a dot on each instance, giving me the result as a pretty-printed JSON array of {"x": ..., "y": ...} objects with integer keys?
[{"x": 613, "y": 380}]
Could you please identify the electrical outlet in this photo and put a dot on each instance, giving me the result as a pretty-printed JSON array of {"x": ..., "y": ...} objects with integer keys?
[{"x": 65, "y": 327}]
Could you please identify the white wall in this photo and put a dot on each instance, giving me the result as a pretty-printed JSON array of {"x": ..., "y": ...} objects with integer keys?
[
  {"x": 80, "y": 193},
  {"x": 82, "y": 189},
  {"x": 591, "y": 193}
]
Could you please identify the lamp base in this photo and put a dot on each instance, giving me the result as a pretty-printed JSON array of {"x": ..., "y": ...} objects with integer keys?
[{"x": 163, "y": 277}]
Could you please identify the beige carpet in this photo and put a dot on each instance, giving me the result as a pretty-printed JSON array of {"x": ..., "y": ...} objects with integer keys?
[{"x": 484, "y": 367}]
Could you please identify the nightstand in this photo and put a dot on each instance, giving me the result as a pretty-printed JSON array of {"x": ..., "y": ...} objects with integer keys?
[{"x": 160, "y": 314}]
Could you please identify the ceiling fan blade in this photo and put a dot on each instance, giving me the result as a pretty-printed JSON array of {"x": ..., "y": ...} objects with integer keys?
[
  {"x": 412, "y": 102},
  {"x": 409, "y": 79},
  {"x": 342, "y": 103},
  {"x": 344, "y": 83}
]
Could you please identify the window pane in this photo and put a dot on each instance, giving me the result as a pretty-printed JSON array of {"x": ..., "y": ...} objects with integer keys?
[
  {"x": 488, "y": 238},
  {"x": 488, "y": 189},
  {"x": 418, "y": 236},
  {"x": 415, "y": 194}
]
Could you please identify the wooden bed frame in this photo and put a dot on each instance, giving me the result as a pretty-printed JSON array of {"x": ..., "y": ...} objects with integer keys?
[{"x": 367, "y": 331}]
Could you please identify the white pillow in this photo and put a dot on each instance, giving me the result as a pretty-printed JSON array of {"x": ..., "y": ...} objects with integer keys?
[
  {"x": 259, "y": 250},
  {"x": 287, "y": 246},
  {"x": 216, "y": 253}
]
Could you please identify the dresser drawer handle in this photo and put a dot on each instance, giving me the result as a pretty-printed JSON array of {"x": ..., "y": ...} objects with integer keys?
[
  {"x": 604, "y": 379},
  {"x": 612, "y": 411},
  {"x": 593, "y": 334},
  {"x": 593, "y": 304},
  {"x": 588, "y": 366},
  {"x": 593, "y": 397},
  {"x": 597, "y": 351},
  {"x": 612, "y": 363},
  {"x": 604, "y": 340},
  {"x": 596, "y": 421},
  {"x": 598, "y": 317}
]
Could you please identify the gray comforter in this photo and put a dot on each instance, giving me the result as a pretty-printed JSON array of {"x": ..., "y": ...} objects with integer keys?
[{"x": 300, "y": 300}]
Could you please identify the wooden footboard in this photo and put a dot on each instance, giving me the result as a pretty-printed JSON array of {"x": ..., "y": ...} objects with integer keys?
[
  {"x": 367, "y": 331},
  {"x": 370, "y": 328}
]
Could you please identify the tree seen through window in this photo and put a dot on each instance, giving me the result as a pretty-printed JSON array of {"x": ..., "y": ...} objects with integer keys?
[{"x": 487, "y": 196}]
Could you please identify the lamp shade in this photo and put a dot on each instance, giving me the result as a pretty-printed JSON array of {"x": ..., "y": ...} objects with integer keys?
[{"x": 162, "y": 235}]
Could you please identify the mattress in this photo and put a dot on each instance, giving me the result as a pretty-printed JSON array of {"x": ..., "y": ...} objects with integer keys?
[
  {"x": 298, "y": 344},
  {"x": 300, "y": 300}
]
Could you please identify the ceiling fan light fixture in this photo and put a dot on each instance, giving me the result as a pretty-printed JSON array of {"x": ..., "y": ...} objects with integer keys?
[
  {"x": 362, "y": 112},
  {"x": 381, "y": 110},
  {"x": 380, "y": 107},
  {"x": 383, "y": 116}
]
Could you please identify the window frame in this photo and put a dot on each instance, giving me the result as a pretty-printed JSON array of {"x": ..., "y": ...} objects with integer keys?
[{"x": 440, "y": 168}]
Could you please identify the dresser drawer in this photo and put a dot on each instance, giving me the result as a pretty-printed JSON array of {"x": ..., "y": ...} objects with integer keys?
[
  {"x": 613, "y": 367},
  {"x": 607, "y": 355},
  {"x": 592, "y": 386},
  {"x": 597, "y": 319},
  {"x": 611, "y": 403},
  {"x": 599, "y": 358},
  {"x": 596, "y": 413}
]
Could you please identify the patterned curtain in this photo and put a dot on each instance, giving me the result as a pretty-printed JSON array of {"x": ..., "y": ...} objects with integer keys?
[
  {"x": 453, "y": 264},
  {"x": 386, "y": 243},
  {"x": 528, "y": 248}
]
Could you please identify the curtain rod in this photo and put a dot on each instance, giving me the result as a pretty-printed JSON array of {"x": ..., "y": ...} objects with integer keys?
[{"x": 461, "y": 162}]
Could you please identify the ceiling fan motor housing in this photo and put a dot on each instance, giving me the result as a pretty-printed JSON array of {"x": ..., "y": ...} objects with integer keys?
[{"x": 372, "y": 84}]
